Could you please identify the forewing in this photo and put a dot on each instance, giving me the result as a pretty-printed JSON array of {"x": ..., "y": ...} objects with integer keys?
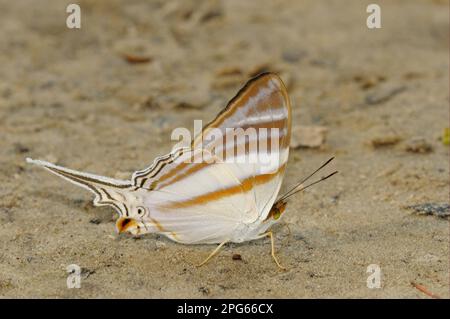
[{"x": 262, "y": 104}]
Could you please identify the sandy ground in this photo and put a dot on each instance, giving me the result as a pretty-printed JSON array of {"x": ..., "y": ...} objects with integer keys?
[{"x": 69, "y": 96}]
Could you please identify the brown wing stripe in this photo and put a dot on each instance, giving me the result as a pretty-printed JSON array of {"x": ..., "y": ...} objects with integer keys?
[
  {"x": 242, "y": 97},
  {"x": 195, "y": 167},
  {"x": 273, "y": 124},
  {"x": 155, "y": 169}
]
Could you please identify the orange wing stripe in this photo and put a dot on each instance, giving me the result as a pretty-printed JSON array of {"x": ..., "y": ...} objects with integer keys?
[{"x": 246, "y": 185}]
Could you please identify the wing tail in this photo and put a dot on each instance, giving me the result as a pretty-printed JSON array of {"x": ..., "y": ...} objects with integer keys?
[{"x": 99, "y": 185}]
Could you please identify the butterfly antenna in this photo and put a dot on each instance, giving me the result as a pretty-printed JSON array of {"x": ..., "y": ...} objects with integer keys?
[
  {"x": 309, "y": 185},
  {"x": 287, "y": 194}
]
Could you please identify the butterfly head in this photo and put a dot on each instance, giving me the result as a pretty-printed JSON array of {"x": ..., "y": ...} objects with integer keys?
[
  {"x": 277, "y": 210},
  {"x": 134, "y": 220}
]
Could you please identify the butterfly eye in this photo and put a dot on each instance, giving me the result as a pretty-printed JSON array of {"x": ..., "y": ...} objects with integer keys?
[
  {"x": 140, "y": 211},
  {"x": 276, "y": 214}
]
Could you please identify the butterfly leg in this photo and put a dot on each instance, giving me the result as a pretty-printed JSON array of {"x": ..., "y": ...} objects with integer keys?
[
  {"x": 215, "y": 251},
  {"x": 270, "y": 234}
]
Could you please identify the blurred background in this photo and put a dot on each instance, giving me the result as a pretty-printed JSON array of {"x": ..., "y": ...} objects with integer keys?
[{"x": 104, "y": 98}]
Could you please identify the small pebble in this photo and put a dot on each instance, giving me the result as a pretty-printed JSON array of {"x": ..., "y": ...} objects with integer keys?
[
  {"x": 21, "y": 149},
  {"x": 368, "y": 81},
  {"x": 204, "y": 290},
  {"x": 437, "y": 209},
  {"x": 385, "y": 141},
  {"x": 292, "y": 56},
  {"x": 95, "y": 221},
  {"x": 383, "y": 94},
  {"x": 418, "y": 145},
  {"x": 237, "y": 257},
  {"x": 308, "y": 136}
]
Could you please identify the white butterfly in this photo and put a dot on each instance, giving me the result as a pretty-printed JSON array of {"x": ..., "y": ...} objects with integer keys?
[{"x": 207, "y": 202}]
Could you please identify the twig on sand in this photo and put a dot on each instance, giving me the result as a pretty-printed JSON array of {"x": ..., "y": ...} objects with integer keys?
[
  {"x": 422, "y": 288},
  {"x": 135, "y": 59}
]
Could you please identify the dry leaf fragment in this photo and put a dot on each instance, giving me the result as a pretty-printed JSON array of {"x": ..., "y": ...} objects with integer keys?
[
  {"x": 136, "y": 59},
  {"x": 383, "y": 141},
  {"x": 423, "y": 289}
]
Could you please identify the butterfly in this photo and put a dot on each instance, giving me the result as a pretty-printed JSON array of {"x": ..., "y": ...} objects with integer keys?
[{"x": 209, "y": 201}]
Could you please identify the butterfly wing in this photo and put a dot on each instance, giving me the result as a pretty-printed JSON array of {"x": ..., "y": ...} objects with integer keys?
[
  {"x": 203, "y": 199},
  {"x": 200, "y": 208},
  {"x": 262, "y": 105}
]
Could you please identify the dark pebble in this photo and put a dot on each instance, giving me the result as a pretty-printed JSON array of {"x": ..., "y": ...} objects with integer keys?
[
  {"x": 21, "y": 149},
  {"x": 204, "y": 290},
  {"x": 237, "y": 257},
  {"x": 383, "y": 95},
  {"x": 437, "y": 209}
]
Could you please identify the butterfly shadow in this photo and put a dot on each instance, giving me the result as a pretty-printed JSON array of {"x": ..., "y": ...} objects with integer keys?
[{"x": 83, "y": 206}]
